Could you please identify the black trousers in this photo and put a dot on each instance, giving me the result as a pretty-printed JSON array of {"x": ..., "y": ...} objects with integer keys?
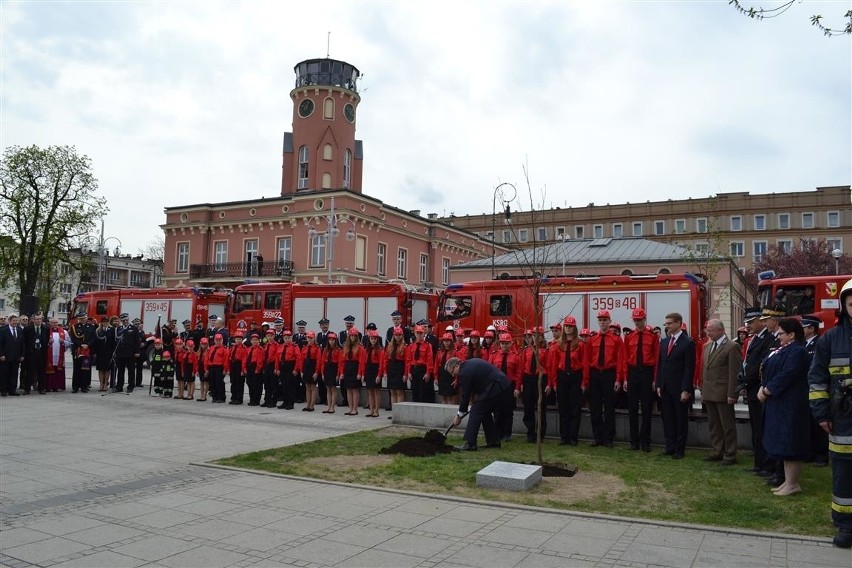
[
  {"x": 675, "y": 421},
  {"x": 819, "y": 441},
  {"x": 26, "y": 377},
  {"x": 255, "y": 386},
  {"x": 481, "y": 414},
  {"x": 9, "y": 376},
  {"x": 602, "y": 404},
  {"x": 569, "y": 400},
  {"x": 125, "y": 366},
  {"x": 421, "y": 391},
  {"x": 140, "y": 364},
  {"x": 270, "y": 386},
  {"x": 841, "y": 490},
  {"x": 238, "y": 381},
  {"x": 37, "y": 374},
  {"x": 80, "y": 379},
  {"x": 640, "y": 396},
  {"x": 755, "y": 420},
  {"x": 530, "y": 401},
  {"x": 217, "y": 382},
  {"x": 288, "y": 384}
]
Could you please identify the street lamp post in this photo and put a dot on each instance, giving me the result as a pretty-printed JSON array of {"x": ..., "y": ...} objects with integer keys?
[
  {"x": 837, "y": 253},
  {"x": 331, "y": 233},
  {"x": 499, "y": 190},
  {"x": 103, "y": 254}
]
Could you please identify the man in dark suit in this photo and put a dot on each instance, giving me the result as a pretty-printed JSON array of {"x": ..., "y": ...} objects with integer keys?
[
  {"x": 11, "y": 356},
  {"x": 759, "y": 343},
  {"x": 36, "y": 338},
  {"x": 493, "y": 392},
  {"x": 675, "y": 370}
]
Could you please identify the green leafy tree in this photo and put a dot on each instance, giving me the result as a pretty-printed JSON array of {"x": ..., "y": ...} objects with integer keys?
[
  {"x": 47, "y": 205},
  {"x": 760, "y": 13}
]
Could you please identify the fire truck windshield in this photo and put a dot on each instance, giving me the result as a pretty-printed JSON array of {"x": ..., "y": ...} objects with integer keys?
[
  {"x": 243, "y": 301},
  {"x": 790, "y": 299},
  {"x": 455, "y": 307}
]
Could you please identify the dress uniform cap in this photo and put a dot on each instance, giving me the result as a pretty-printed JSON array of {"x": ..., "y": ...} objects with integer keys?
[
  {"x": 419, "y": 329},
  {"x": 423, "y": 322},
  {"x": 323, "y": 321},
  {"x": 570, "y": 320},
  {"x": 213, "y": 317},
  {"x": 349, "y": 319},
  {"x": 186, "y": 322},
  {"x": 124, "y": 316},
  {"x": 447, "y": 336},
  {"x": 81, "y": 314},
  {"x": 396, "y": 314},
  {"x": 811, "y": 321},
  {"x": 603, "y": 314},
  {"x": 172, "y": 321},
  {"x": 638, "y": 314},
  {"x": 770, "y": 313},
  {"x": 751, "y": 314},
  {"x": 278, "y": 321},
  {"x": 301, "y": 323},
  {"x": 505, "y": 338},
  {"x": 136, "y": 321},
  {"x": 166, "y": 355}
]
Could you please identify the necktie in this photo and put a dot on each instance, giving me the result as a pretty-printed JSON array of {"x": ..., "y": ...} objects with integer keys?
[
  {"x": 671, "y": 345},
  {"x": 533, "y": 365},
  {"x": 601, "y": 354},
  {"x": 417, "y": 353},
  {"x": 639, "y": 354},
  {"x": 14, "y": 333},
  {"x": 568, "y": 358},
  {"x": 713, "y": 349},
  {"x": 504, "y": 364}
]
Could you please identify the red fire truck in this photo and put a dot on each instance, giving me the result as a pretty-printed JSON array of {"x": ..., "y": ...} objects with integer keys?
[
  {"x": 264, "y": 302},
  {"x": 801, "y": 295},
  {"x": 152, "y": 304},
  {"x": 476, "y": 305}
]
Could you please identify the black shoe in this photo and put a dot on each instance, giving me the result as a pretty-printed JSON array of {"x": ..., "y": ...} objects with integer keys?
[
  {"x": 493, "y": 445},
  {"x": 843, "y": 539},
  {"x": 254, "y": 404},
  {"x": 531, "y": 439},
  {"x": 712, "y": 458},
  {"x": 281, "y": 406},
  {"x": 666, "y": 453},
  {"x": 74, "y": 390},
  {"x": 26, "y": 392},
  {"x": 386, "y": 408},
  {"x": 82, "y": 390},
  {"x": 506, "y": 438},
  {"x": 634, "y": 447},
  {"x": 466, "y": 448},
  {"x": 595, "y": 444},
  {"x": 677, "y": 456},
  {"x": 753, "y": 469},
  {"x": 775, "y": 481},
  {"x": 2, "y": 394},
  {"x": 39, "y": 392},
  {"x": 14, "y": 394},
  {"x": 764, "y": 473},
  {"x": 646, "y": 448}
]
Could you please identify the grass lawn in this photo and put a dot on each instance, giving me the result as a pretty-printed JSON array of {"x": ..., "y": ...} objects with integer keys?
[{"x": 613, "y": 481}]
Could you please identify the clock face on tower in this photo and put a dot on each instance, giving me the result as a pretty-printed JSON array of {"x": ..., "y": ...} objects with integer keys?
[
  {"x": 306, "y": 108},
  {"x": 349, "y": 112}
]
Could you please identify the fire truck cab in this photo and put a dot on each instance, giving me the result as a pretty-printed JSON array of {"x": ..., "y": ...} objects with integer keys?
[
  {"x": 264, "y": 302},
  {"x": 801, "y": 295},
  {"x": 511, "y": 303}
]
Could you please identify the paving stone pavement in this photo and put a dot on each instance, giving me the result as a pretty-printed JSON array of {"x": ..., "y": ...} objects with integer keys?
[{"x": 87, "y": 480}]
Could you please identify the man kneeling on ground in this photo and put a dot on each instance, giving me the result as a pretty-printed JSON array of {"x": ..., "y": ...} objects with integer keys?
[{"x": 492, "y": 392}]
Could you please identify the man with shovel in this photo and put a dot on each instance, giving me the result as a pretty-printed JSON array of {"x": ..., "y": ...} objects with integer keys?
[{"x": 492, "y": 392}]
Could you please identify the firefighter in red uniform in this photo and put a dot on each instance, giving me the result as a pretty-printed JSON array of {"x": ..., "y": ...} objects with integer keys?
[
  {"x": 217, "y": 363},
  {"x": 238, "y": 358},
  {"x": 447, "y": 389},
  {"x": 641, "y": 348},
  {"x": 509, "y": 362},
  {"x": 604, "y": 352},
  {"x": 254, "y": 367},
  {"x": 475, "y": 350},
  {"x": 270, "y": 379},
  {"x": 568, "y": 375},
  {"x": 371, "y": 365},
  {"x": 331, "y": 357},
  {"x": 288, "y": 366},
  {"x": 418, "y": 367}
]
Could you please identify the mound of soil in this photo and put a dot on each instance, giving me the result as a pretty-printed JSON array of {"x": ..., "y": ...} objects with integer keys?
[
  {"x": 558, "y": 470},
  {"x": 433, "y": 442}
]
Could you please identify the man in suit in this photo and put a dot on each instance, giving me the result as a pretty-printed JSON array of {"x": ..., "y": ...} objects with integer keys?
[
  {"x": 757, "y": 349},
  {"x": 11, "y": 355},
  {"x": 493, "y": 391},
  {"x": 36, "y": 338},
  {"x": 721, "y": 364},
  {"x": 675, "y": 370}
]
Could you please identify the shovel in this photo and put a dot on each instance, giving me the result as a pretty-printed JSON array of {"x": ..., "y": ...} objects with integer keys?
[{"x": 452, "y": 425}]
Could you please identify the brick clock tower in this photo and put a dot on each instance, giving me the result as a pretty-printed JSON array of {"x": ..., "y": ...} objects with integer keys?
[{"x": 321, "y": 152}]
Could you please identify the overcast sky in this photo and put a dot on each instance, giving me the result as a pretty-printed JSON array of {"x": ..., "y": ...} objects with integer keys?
[{"x": 607, "y": 102}]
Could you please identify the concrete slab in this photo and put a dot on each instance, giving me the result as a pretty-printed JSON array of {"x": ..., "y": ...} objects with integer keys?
[{"x": 508, "y": 476}]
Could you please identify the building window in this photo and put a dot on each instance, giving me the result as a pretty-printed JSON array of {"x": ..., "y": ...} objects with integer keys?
[
  {"x": 701, "y": 225},
  {"x": 220, "y": 255},
  {"x": 783, "y": 220},
  {"x": 807, "y": 220},
  {"x": 736, "y": 223},
  {"x": 347, "y": 169},
  {"x": 285, "y": 249},
  {"x": 489, "y": 235},
  {"x": 318, "y": 251},
  {"x": 637, "y": 229},
  {"x": 182, "y": 258},
  {"x": 326, "y": 180},
  {"x": 659, "y": 228},
  {"x": 560, "y": 233},
  {"x": 759, "y": 250},
  {"x": 424, "y": 268},
  {"x": 578, "y": 233},
  {"x": 834, "y": 244},
  {"x": 597, "y": 231},
  {"x": 303, "y": 167},
  {"x": 381, "y": 259},
  {"x": 617, "y": 230},
  {"x": 327, "y": 152},
  {"x": 833, "y": 219},
  {"x": 328, "y": 108},
  {"x": 523, "y": 235},
  {"x": 2, "y": 303},
  {"x": 760, "y": 222},
  {"x": 402, "y": 263},
  {"x": 542, "y": 234},
  {"x": 680, "y": 226},
  {"x": 137, "y": 279},
  {"x": 703, "y": 249},
  {"x": 507, "y": 235},
  {"x": 785, "y": 246},
  {"x": 737, "y": 249},
  {"x": 360, "y": 252},
  {"x": 445, "y": 271},
  {"x": 113, "y": 276}
]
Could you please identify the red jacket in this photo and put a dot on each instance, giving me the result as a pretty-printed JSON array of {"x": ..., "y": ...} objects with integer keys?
[
  {"x": 312, "y": 352},
  {"x": 354, "y": 355},
  {"x": 289, "y": 352},
  {"x": 398, "y": 356},
  {"x": 513, "y": 366},
  {"x": 255, "y": 360},
  {"x": 527, "y": 361},
  {"x": 239, "y": 354},
  {"x": 613, "y": 354},
  {"x": 650, "y": 350},
  {"x": 557, "y": 359},
  {"x": 374, "y": 356},
  {"x": 418, "y": 353},
  {"x": 217, "y": 355},
  {"x": 270, "y": 352},
  {"x": 441, "y": 358},
  {"x": 334, "y": 356}
]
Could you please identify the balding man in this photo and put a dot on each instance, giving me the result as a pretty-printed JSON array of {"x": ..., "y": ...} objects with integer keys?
[
  {"x": 722, "y": 361},
  {"x": 492, "y": 391}
]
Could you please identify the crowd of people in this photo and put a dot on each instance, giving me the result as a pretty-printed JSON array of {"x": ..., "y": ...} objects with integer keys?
[{"x": 769, "y": 363}]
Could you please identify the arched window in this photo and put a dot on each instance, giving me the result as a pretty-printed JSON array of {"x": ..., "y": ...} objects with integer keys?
[
  {"x": 347, "y": 168},
  {"x": 326, "y": 180},
  {"x": 328, "y": 108},
  {"x": 627, "y": 272},
  {"x": 303, "y": 168},
  {"x": 664, "y": 271},
  {"x": 327, "y": 152}
]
